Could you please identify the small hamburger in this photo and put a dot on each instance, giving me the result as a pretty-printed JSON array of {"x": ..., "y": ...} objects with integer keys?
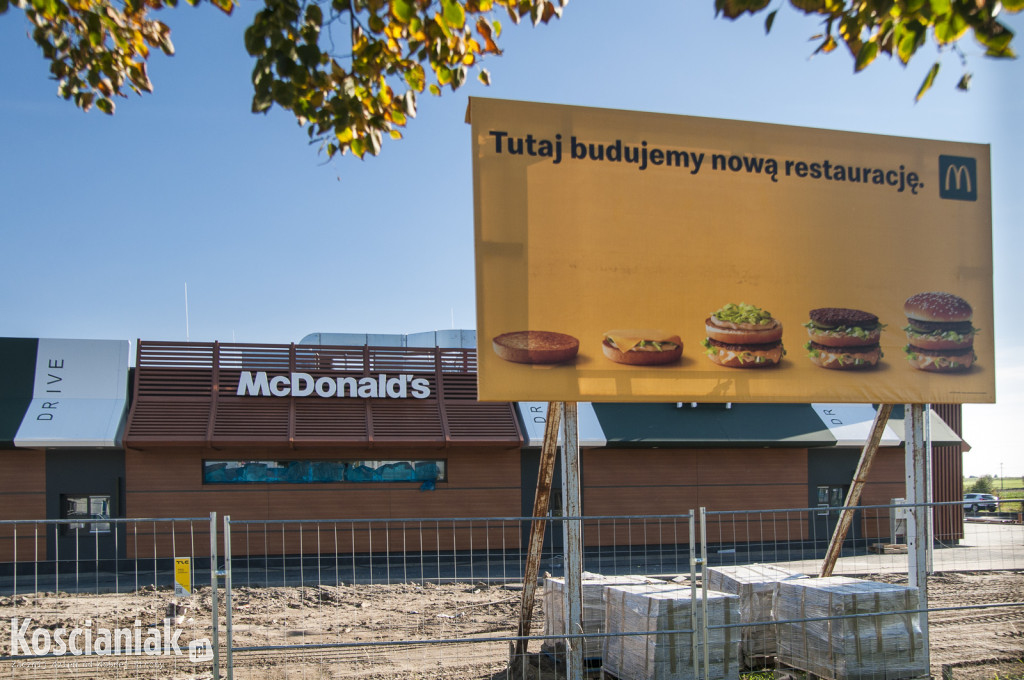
[
  {"x": 642, "y": 347},
  {"x": 843, "y": 339},
  {"x": 743, "y": 336},
  {"x": 536, "y": 347},
  {"x": 940, "y": 332}
]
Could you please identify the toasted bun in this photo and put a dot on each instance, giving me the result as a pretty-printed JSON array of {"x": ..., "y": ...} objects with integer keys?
[
  {"x": 743, "y": 334},
  {"x": 940, "y": 361},
  {"x": 845, "y": 359},
  {"x": 746, "y": 356},
  {"x": 643, "y": 356},
  {"x": 943, "y": 307},
  {"x": 839, "y": 339},
  {"x": 536, "y": 347}
]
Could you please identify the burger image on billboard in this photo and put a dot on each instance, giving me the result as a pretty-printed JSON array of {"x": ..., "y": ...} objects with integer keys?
[
  {"x": 940, "y": 332},
  {"x": 536, "y": 347},
  {"x": 843, "y": 339},
  {"x": 743, "y": 336},
  {"x": 642, "y": 347}
]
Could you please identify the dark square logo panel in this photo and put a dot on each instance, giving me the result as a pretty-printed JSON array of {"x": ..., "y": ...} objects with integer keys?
[{"x": 958, "y": 178}]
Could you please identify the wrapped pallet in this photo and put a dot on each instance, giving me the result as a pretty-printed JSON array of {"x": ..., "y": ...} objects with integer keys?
[
  {"x": 883, "y": 645},
  {"x": 666, "y": 651},
  {"x": 755, "y": 586},
  {"x": 593, "y": 609}
]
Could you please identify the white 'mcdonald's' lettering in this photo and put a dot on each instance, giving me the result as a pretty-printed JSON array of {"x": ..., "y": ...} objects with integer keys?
[{"x": 403, "y": 386}]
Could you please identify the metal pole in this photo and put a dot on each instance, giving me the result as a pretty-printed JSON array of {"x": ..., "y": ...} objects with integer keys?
[
  {"x": 541, "y": 502},
  {"x": 573, "y": 534},
  {"x": 929, "y": 489},
  {"x": 918, "y": 534},
  {"x": 860, "y": 477},
  {"x": 214, "y": 605},
  {"x": 227, "y": 596},
  {"x": 704, "y": 589},
  {"x": 693, "y": 598}
]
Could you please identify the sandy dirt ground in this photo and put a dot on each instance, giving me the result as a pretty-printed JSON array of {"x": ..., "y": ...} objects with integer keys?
[{"x": 979, "y": 644}]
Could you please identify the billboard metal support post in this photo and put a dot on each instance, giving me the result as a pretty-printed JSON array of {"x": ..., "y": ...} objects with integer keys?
[
  {"x": 572, "y": 528},
  {"x": 918, "y": 512}
]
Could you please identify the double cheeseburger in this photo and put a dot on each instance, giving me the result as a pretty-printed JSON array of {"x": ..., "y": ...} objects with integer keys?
[
  {"x": 940, "y": 332},
  {"x": 642, "y": 347},
  {"x": 843, "y": 339},
  {"x": 536, "y": 347},
  {"x": 743, "y": 336}
]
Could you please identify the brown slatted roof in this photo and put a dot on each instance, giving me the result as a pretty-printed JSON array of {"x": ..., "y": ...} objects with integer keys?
[{"x": 186, "y": 395}]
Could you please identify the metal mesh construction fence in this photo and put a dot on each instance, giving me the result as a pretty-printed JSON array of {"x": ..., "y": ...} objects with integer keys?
[{"x": 441, "y": 597}]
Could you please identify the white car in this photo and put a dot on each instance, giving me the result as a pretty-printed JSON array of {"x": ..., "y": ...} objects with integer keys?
[{"x": 981, "y": 501}]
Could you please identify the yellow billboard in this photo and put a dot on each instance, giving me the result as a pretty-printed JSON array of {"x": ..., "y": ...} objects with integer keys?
[{"x": 625, "y": 256}]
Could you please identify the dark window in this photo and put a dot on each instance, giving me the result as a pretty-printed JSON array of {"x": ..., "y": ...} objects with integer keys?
[
  {"x": 322, "y": 471},
  {"x": 86, "y": 508}
]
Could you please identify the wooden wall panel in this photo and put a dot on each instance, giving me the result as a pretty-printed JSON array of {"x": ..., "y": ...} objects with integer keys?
[
  {"x": 482, "y": 482},
  {"x": 757, "y": 528},
  {"x": 646, "y": 482},
  {"x": 663, "y": 531},
  {"x": 753, "y": 466},
  {"x": 22, "y": 496}
]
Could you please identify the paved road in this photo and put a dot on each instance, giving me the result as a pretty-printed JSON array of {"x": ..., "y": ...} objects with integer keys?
[{"x": 985, "y": 547}]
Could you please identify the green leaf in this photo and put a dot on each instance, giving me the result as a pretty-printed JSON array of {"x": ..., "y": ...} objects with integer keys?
[
  {"x": 416, "y": 77},
  {"x": 314, "y": 15},
  {"x": 769, "y": 21},
  {"x": 866, "y": 55},
  {"x": 809, "y": 6},
  {"x": 454, "y": 14},
  {"x": 484, "y": 76},
  {"x": 964, "y": 83},
  {"x": 403, "y": 11},
  {"x": 996, "y": 38},
  {"x": 928, "y": 80},
  {"x": 908, "y": 38},
  {"x": 949, "y": 28},
  {"x": 261, "y": 101}
]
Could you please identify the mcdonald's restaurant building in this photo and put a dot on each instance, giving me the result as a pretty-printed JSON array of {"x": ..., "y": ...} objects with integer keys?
[{"x": 388, "y": 427}]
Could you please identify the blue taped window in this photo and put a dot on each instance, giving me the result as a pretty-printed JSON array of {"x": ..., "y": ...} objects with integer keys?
[{"x": 321, "y": 471}]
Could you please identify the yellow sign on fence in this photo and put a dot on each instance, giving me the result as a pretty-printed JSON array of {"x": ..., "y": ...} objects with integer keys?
[
  {"x": 182, "y": 576},
  {"x": 626, "y": 256}
]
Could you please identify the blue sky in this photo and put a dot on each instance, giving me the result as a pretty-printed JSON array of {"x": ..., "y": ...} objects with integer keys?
[{"x": 106, "y": 219}]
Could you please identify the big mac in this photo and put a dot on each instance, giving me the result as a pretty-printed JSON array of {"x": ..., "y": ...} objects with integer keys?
[
  {"x": 743, "y": 336},
  {"x": 940, "y": 332}
]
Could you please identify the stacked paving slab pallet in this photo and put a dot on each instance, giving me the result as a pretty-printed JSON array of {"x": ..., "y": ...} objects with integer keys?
[
  {"x": 593, "y": 609},
  {"x": 884, "y": 646},
  {"x": 755, "y": 585},
  {"x": 662, "y": 655}
]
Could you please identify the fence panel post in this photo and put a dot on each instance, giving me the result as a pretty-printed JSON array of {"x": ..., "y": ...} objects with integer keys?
[
  {"x": 693, "y": 596},
  {"x": 214, "y": 605},
  {"x": 704, "y": 591},
  {"x": 228, "y": 661}
]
